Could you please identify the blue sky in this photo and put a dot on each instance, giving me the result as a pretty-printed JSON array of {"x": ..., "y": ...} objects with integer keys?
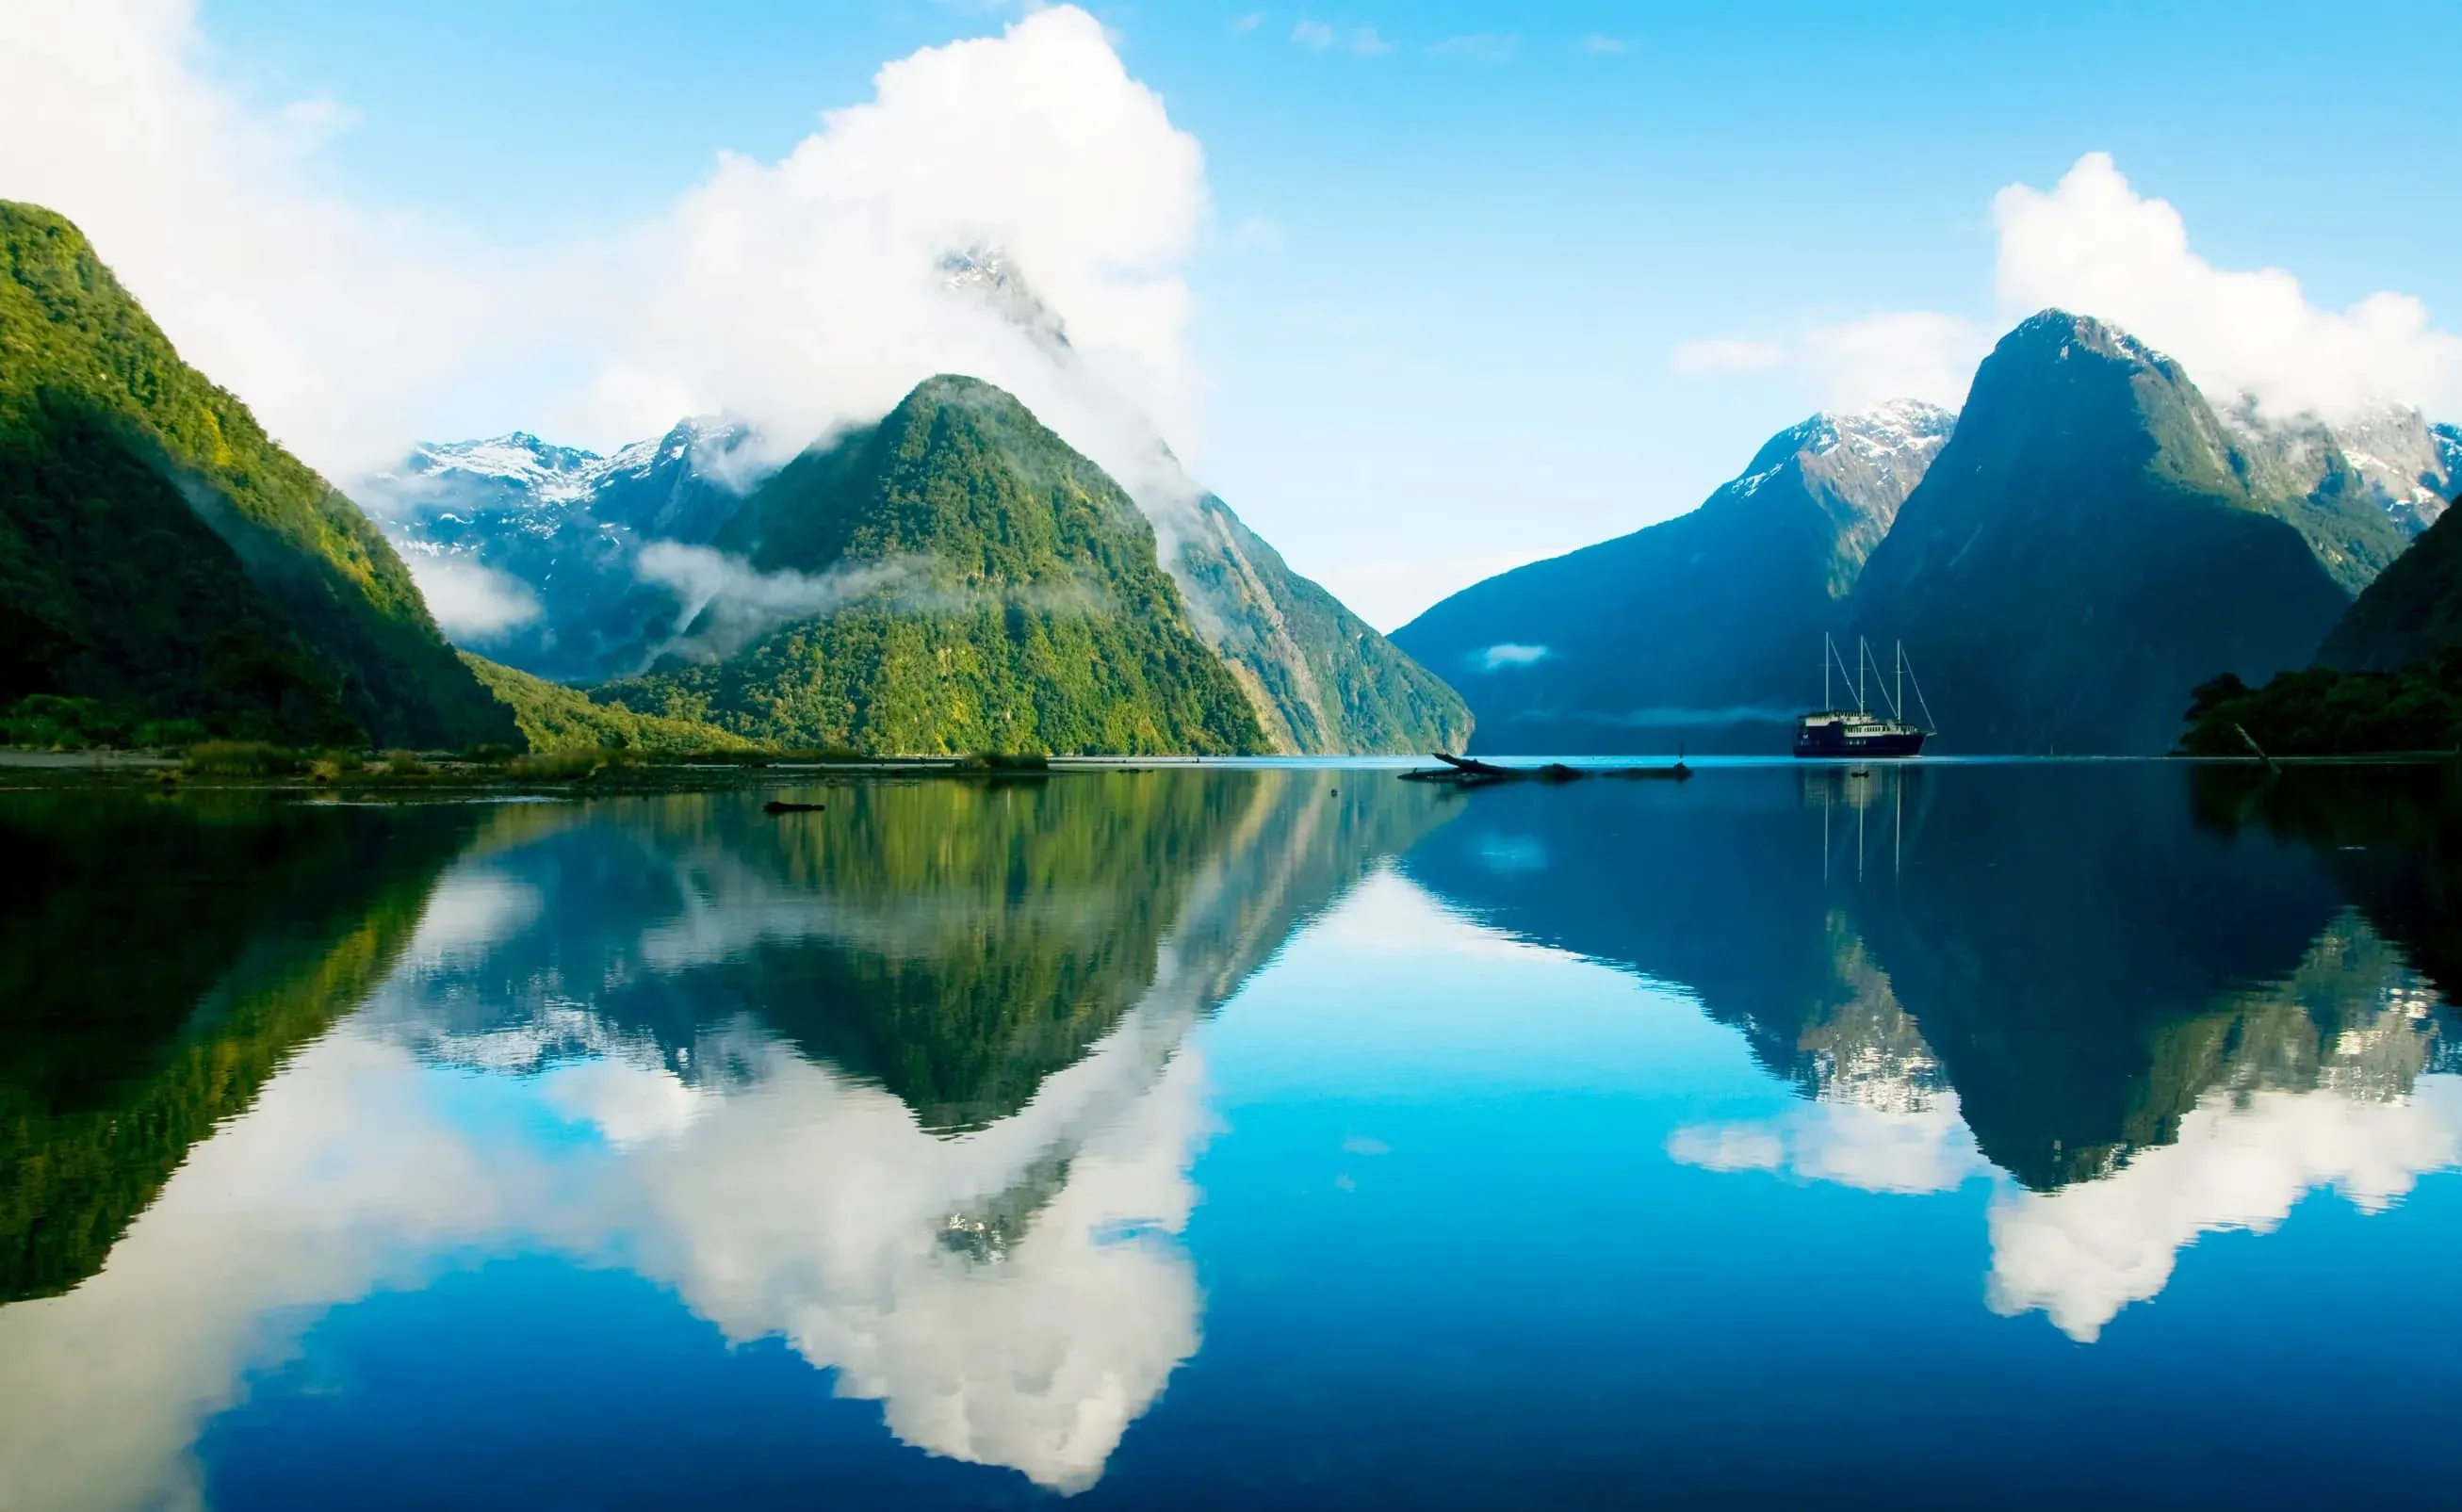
[{"x": 1455, "y": 251}]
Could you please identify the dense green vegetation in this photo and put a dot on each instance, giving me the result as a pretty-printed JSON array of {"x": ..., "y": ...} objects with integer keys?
[
  {"x": 159, "y": 960},
  {"x": 2092, "y": 544},
  {"x": 1703, "y": 629},
  {"x": 2318, "y": 711},
  {"x": 1322, "y": 680},
  {"x": 555, "y": 718},
  {"x": 160, "y": 554},
  {"x": 978, "y": 586}
]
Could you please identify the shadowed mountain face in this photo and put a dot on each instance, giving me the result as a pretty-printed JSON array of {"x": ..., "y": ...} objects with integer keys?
[
  {"x": 2094, "y": 543},
  {"x": 1705, "y": 629},
  {"x": 160, "y": 552},
  {"x": 2409, "y": 613},
  {"x": 2078, "y": 955},
  {"x": 158, "y": 962}
]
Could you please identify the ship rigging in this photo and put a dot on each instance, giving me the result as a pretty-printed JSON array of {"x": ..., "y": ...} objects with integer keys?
[{"x": 1861, "y": 732}]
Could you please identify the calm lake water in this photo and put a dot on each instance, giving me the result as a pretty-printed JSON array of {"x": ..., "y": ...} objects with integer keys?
[{"x": 2041, "y": 1135}]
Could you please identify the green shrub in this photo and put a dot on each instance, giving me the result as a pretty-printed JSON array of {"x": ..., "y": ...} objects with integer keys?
[
  {"x": 405, "y": 764},
  {"x": 47, "y": 720},
  {"x": 171, "y": 734}
]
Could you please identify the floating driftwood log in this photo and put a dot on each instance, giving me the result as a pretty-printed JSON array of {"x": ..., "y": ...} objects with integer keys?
[
  {"x": 782, "y": 805},
  {"x": 1464, "y": 772}
]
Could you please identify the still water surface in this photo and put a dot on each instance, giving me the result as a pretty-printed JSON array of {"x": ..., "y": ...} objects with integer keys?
[{"x": 2025, "y": 1134}]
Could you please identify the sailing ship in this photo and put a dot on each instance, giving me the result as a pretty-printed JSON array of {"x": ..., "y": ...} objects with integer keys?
[{"x": 1863, "y": 731}]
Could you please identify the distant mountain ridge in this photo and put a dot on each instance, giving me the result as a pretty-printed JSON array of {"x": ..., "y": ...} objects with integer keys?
[
  {"x": 2065, "y": 560},
  {"x": 160, "y": 554},
  {"x": 558, "y": 531},
  {"x": 1704, "y": 630}
]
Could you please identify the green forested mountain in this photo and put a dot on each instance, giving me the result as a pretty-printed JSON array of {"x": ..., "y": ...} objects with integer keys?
[
  {"x": 158, "y": 551},
  {"x": 1322, "y": 680},
  {"x": 1704, "y": 629},
  {"x": 555, "y": 718},
  {"x": 959, "y": 580},
  {"x": 2094, "y": 543}
]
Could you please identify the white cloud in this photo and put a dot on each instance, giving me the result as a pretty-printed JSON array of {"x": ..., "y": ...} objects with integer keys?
[
  {"x": 1319, "y": 37},
  {"x": 1505, "y": 654},
  {"x": 1601, "y": 46},
  {"x": 333, "y": 322},
  {"x": 809, "y": 292},
  {"x": 1911, "y": 353},
  {"x": 470, "y": 601},
  {"x": 1915, "y": 1144},
  {"x": 801, "y": 293},
  {"x": 1723, "y": 355},
  {"x": 1243, "y": 24},
  {"x": 1907, "y": 353},
  {"x": 2083, "y": 1253},
  {"x": 1480, "y": 47},
  {"x": 2094, "y": 245},
  {"x": 743, "y": 602}
]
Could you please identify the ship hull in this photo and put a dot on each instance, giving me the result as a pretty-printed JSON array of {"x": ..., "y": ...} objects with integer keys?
[{"x": 1832, "y": 742}]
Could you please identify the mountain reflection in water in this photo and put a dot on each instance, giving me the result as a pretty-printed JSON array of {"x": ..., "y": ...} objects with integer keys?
[
  {"x": 915, "y": 1087},
  {"x": 2138, "y": 991}
]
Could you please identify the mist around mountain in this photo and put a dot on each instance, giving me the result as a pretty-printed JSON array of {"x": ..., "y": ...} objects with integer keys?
[
  {"x": 579, "y": 567},
  {"x": 532, "y": 554},
  {"x": 2094, "y": 541},
  {"x": 1703, "y": 631},
  {"x": 959, "y": 579},
  {"x": 160, "y": 554},
  {"x": 1321, "y": 680}
]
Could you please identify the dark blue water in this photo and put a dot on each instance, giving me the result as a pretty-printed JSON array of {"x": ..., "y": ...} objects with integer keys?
[{"x": 2014, "y": 1135}]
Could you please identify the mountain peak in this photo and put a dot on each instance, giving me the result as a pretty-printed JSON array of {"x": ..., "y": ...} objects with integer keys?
[{"x": 2075, "y": 334}]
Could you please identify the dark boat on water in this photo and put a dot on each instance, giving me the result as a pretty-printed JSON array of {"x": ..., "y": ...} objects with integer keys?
[{"x": 1863, "y": 731}]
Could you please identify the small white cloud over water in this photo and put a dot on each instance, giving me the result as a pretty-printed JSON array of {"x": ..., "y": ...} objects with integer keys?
[
  {"x": 1505, "y": 654},
  {"x": 1905, "y": 1149}
]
